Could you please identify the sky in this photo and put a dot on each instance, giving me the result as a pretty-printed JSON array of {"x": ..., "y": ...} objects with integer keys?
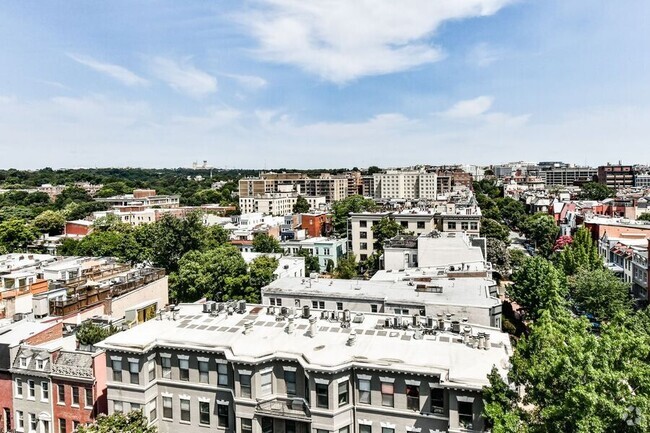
[{"x": 323, "y": 83}]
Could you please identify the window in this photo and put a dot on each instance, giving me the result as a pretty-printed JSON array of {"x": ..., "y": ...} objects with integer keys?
[
  {"x": 23, "y": 362},
  {"x": 345, "y": 429},
  {"x": 464, "y": 225},
  {"x": 168, "y": 411},
  {"x": 246, "y": 425},
  {"x": 290, "y": 382},
  {"x": 185, "y": 410},
  {"x": 343, "y": 393},
  {"x": 117, "y": 370},
  {"x": 387, "y": 394},
  {"x": 365, "y": 428},
  {"x": 339, "y": 306},
  {"x": 363, "y": 224},
  {"x": 134, "y": 371},
  {"x": 289, "y": 427},
  {"x": 61, "y": 397},
  {"x": 204, "y": 412},
  {"x": 245, "y": 384},
  {"x": 278, "y": 302},
  {"x": 135, "y": 406},
  {"x": 322, "y": 395},
  {"x": 474, "y": 226},
  {"x": 405, "y": 224},
  {"x": 33, "y": 422},
  {"x": 45, "y": 391},
  {"x": 451, "y": 225},
  {"x": 363, "y": 257},
  {"x": 267, "y": 384},
  {"x": 19, "y": 387},
  {"x": 40, "y": 364},
  {"x": 152, "y": 409},
  {"x": 204, "y": 376},
  {"x": 222, "y": 374},
  {"x": 387, "y": 430},
  {"x": 267, "y": 425},
  {"x": 413, "y": 397},
  {"x": 364, "y": 391},
  {"x": 437, "y": 400},
  {"x": 31, "y": 389},
  {"x": 75, "y": 396},
  {"x": 89, "y": 397},
  {"x": 184, "y": 369},
  {"x": 117, "y": 406},
  {"x": 465, "y": 414},
  {"x": 20, "y": 420},
  {"x": 373, "y": 308},
  {"x": 75, "y": 425},
  {"x": 363, "y": 235},
  {"x": 166, "y": 364},
  {"x": 151, "y": 366},
  {"x": 63, "y": 427},
  {"x": 222, "y": 415},
  {"x": 363, "y": 245},
  {"x": 421, "y": 224}
]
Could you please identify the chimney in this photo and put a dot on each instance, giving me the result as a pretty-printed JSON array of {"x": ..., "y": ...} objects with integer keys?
[
  {"x": 312, "y": 327},
  {"x": 352, "y": 339},
  {"x": 487, "y": 341},
  {"x": 290, "y": 326}
]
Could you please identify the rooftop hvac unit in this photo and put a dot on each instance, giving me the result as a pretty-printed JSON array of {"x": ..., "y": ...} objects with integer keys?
[
  {"x": 207, "y": 307},
  {"x": 358, "y": 318},
  {"x": 305, "y": 312},
  {"x": 346, "y": 315},
  {"x": 324, "y": 314}
]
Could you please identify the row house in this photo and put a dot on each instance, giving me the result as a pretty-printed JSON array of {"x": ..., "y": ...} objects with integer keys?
[{"x": 253, "y": 369}]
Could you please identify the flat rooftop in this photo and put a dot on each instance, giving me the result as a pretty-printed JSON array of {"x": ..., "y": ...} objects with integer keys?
[
  {"x": 459, "y": 291},
  {"x": 443, "y": 354}
]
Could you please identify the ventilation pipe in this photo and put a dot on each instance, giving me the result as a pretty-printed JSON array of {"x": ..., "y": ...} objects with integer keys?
[
  {"x": 311, "y": 332},
  {"x": 248, "y": 327},
  {"x": 290, "y": 326}
]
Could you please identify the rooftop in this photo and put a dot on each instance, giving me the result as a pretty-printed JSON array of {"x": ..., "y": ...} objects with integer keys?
[
  {"x": 330, "y": 349},
  {"x": 444, "y": 291}
]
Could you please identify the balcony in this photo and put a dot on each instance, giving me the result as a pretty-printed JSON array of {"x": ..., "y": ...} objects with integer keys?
[{"x": 286, "y": 408}]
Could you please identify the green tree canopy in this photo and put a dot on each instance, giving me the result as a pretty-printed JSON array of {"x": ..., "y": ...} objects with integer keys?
[
  {"x": 265, "y": 243},
  {"x": 501, "y": 406},
  {"x": 542, "y": 230},
  {"x": 581, "y": 253},
  {"x": 600, "y": 293},
  {"x": 596, "y": 191},
  {"x": 261, "y": 271},
  {"x": 50, "y": 222},
  {"x": 132, "y": 422},
  {"x": 644, "y": 217},
  {"x": 497, "y": 254},
  {"x": 385, "y": 229},
  {"x": 311, "y": 262},
  {"x": 538, "y": 285},
  {"x": 346, "y": 268},
  {"x": 71, "y": 194},
  {"x": 353, "y": 204},
  {"x": 301, "y": 206},
  {"x": 494, "y": 229},
  {"x": 91, "y": 333},
  {"x": 16, "y": 234}
]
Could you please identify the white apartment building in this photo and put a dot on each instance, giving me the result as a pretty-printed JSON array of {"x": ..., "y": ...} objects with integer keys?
[
  {"x": 277, "y": 204},
  {"x": 405, "y": 184},
  {"x": 254, "y": 369}
]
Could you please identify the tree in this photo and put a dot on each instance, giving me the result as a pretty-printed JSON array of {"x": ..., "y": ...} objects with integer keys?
[
  {"x": 517, "y": 258},
  {"x": 329, "y": 267},
  {"x": 542, "y": 230},
  {"x": 203, "y": 274},
  {"x": 311, "y": 262},
  {"x": 501, "y": 406},
  {"x": 89, "y": 333},
  {"x": 262, "y": 270},
  {"x": 513, "y": 212},
  {"x": 132, "y": 422},
  {"x": 16, "y": 234},
  {"x": 346, "y": 268},
  {"x": 600, "y": 293},
  {"x": 216, "y": 236},
  {"x": 121, "y": 245},
  {"x": 71, "y": 194},
  {"x": 170, "y": 238},
  {"x": 384, "y": 230},
  {"x": 342, "y": 209},
  {"x": 301, "y": 206},
  {"x": 644, "y": 217},
  {"x": 265, "y": 243},
  {"x": 493, "y": 229},
  {"x": 596, "y": 191},
  {"x": 581, "y": 253},
  {"x": 50, "y": 222},
  {"x": 497, "y": 255},
  {"x": 538, "y": 285},
  {"x": 372, "y": 170}
]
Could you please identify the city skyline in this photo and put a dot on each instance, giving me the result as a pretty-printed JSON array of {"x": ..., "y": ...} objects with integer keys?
[{"x": 282, "y": 84}]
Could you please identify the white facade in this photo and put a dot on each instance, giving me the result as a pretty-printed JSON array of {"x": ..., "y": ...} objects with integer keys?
[
  {"x": 409, "y": 185},
  {"x": 277, "y": 204}
]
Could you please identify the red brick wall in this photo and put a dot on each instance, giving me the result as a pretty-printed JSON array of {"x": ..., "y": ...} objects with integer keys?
[
  {"x": 6, "y": 400},
  {"x": 67, "y": 411},
  {"x": 52, "y": 333},
  {"x": 143, "y": 193},
  {"x": 76, "y": 229}
]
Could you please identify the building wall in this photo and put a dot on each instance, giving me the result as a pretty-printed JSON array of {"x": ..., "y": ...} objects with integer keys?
[
  {"x": 65, "y": 410},
  {"x": 6, "y": 401},
  {"x": 157, "y": 290},
  {"x": 76, "y": 229}
]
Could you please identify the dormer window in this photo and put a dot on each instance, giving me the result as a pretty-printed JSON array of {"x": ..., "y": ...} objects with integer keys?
[
  {"x": 40, "y": 364},
  {"x": 23, "y": 362}
]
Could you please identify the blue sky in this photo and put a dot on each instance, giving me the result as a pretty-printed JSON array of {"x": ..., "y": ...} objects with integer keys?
[{"x": 331, "y": 83}]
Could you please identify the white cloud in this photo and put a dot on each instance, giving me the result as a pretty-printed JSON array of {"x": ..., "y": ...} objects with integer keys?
[
  {"x": 116, "y": 72},
  {"x": 184, "y": 77},
  {"x": 341, "y": 40},
  {"x": 470, "y": 108},
  {"x": 483, "y": 55},
  {"x": 251, "y": 82}
]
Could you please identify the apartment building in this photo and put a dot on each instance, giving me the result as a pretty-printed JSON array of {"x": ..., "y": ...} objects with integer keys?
[
  {"x": 325, "y": 249},
  {"x": 277, "y": 204},
  {"x": 469, "y": 298},
  {"x": 140, "y": 200},
  {"x": 251, "y": 369},
  {"x": 616, "y": 176},
  {"x": 405, "y": 184},
  {"x": 567, "y": 175},
  {"x": 332, "y": 187}
]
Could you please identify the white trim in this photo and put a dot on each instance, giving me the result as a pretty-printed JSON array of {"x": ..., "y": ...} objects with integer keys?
[
  {"x": 343, "y": 379},
  {"x": 221, "y": 361},
  {"x": 223, "y": 402},
  {"x": 116, "y": 358},
  {"x": 465, "y": 398},
  {"x": 184, "y": 357},
  {"x": 322, "y": 381},
  {"x": 266, "y": 370},
  {"x": 365, "y": 422},
  {"x": 134, "y": 360},
  {"x": 184, "y": 397},
  {"x": 364, "y": 377},
  {"x": 288, "y": 368},
  {"x": 413, "y": 429},
  {"x": 202, "y": 359},
  {"x": 165, "y": 355},
  {"x": 412, "y": 382},
  {"x": 387, "y": 425},
  {"x": 166, "y": 394},
  {"x": 204, "y": 399},
  {"x": 151, "y": 357},
  {"x": 387, "y": 379},
  {"x": 245, "y": 372}
]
